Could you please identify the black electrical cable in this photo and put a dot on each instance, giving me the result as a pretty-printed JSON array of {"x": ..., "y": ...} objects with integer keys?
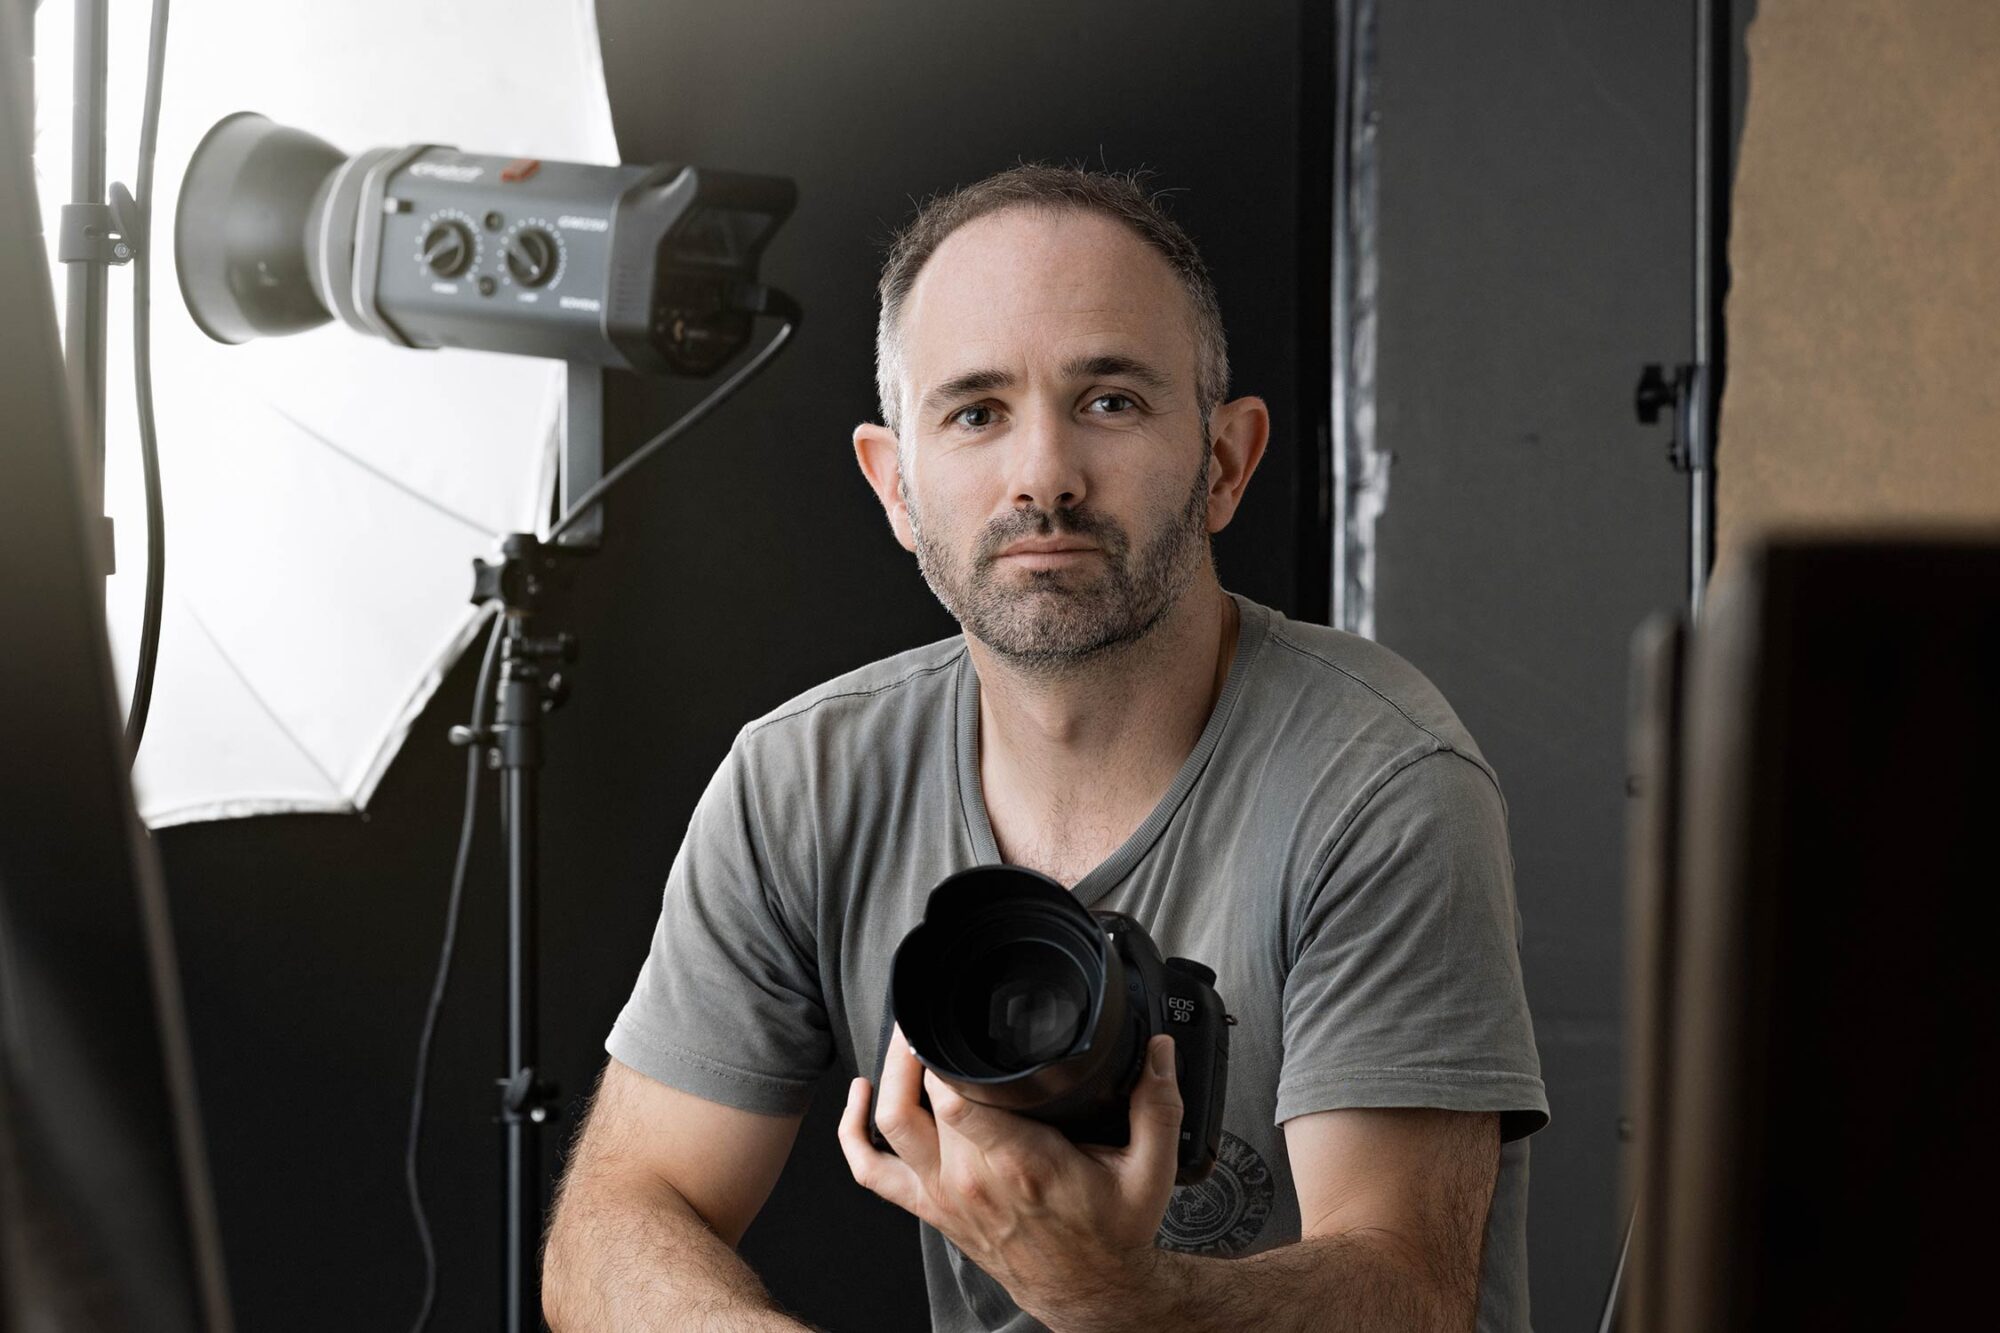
[
  {"x": 142, "y": 375},
  {"x": 723, "y": 393},
  {"x": 475, "y": 753}
]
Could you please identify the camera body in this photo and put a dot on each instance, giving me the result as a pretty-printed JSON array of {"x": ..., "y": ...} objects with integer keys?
[
  {"x": 1020, "y": 998},
  {"x": 652, "y": 269}
]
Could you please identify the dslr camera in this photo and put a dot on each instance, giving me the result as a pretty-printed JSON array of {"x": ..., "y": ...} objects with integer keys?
[{"x": 1020, "y": 998}]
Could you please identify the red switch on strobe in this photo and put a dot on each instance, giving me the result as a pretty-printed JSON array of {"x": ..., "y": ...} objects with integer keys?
[{"x": 520, "y": 169}]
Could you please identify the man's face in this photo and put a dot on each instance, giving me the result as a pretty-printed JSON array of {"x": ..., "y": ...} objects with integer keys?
[{"x": 1054, "y": 455}]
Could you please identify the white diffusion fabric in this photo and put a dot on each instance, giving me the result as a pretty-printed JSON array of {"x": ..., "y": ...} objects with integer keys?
[{"x": 326, "y": 493}]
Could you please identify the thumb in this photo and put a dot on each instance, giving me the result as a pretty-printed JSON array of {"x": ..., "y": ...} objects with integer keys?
[{"x": 1156, "y": 1121}]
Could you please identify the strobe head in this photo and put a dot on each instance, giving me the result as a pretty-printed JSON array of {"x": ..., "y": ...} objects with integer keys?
[
  {"x": 1020, "y": 998},
  {"x": 651, "y": 269}
]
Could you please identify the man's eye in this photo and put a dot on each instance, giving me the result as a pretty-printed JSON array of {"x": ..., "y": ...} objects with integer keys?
[
  {"x": 975, "y": 417},
  {"x": 1112, "y": 403}
]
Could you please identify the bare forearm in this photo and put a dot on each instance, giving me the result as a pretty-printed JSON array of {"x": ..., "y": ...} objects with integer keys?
[
  {"x": 1325, "y": 1284},
  {"x": 622, "y": 1256}
]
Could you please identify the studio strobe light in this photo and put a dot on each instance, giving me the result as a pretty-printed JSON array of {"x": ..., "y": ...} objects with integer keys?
[{"x": 650, "y": 269}]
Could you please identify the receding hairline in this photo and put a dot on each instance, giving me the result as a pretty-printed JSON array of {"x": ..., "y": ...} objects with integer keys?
[
  {"x": 1121, "y": 198},
  {"x": 895, "y": 315},
  {"x": 1054, "y": 210}
]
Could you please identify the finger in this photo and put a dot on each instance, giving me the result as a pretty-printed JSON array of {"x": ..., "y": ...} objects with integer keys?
[
  {"x": 1153, "y": 1156},
  {"x": 885, "y": 1174},
  {"x": 988, "y": 1130},
  {"x": 900, "y": 1115}
]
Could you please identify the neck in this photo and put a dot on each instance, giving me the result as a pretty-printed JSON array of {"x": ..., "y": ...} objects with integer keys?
[{"x": 1114, "y": 729}]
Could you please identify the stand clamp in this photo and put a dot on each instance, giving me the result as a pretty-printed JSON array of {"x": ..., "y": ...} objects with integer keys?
[
  {"x": 526, "y": 1096},
  {"x": 1661, "y": 391},
  {"x": 1691, "y": 393},
  {"x": 517, "y": 579},
  {"x": 101, "y": 233}
]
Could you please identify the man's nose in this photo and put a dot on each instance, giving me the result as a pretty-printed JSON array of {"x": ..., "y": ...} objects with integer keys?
[{"x": 1048, "y": 470}]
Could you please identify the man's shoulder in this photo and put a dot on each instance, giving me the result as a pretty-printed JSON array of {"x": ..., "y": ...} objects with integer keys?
[
  {"x": 1366, "y": 689},
  {"x": 917, "y": 683}
]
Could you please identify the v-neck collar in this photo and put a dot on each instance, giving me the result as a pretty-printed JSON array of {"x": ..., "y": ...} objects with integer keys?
[{"x": 1252, "y": 624}]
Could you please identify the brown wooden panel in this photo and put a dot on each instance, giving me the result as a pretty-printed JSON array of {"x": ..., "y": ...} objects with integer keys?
[{"x": 1864, "y": 320}]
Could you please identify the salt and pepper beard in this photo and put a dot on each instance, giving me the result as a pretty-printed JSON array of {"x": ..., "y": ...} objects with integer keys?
[{"x": 1067, "y": 615}]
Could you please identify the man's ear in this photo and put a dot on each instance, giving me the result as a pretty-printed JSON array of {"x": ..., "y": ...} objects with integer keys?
[
  {"x": 875, "y": 448},
  {"x": 1239, "y": 431}
]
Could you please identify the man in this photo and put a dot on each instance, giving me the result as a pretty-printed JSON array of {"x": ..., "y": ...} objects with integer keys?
[{"x": 1295, "y": 807}]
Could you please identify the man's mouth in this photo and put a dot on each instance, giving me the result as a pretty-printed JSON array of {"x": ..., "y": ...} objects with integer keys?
[{"x": 1045, "y": 554}]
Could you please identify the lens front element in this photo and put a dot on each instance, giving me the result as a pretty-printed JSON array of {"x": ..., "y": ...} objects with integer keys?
[{"x": 1036, "y": 999}]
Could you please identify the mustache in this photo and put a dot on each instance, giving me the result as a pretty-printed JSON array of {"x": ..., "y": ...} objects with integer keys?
[{"x": 1078, "y": 522}]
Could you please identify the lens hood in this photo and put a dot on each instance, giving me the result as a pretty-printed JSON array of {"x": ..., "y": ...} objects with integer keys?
[{"x": 1010, "y": 991}]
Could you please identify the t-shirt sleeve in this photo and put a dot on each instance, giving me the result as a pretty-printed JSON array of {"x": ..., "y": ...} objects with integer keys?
[
  {"x": 728, "y": 1005},
  {"x": 1405, "y": 987}
]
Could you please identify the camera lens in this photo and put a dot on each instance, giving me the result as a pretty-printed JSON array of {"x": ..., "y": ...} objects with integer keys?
[
  {"x": 1008, "y": 987},
  {"x": 1021, "y": 1004},
  {"x": 1010, "y": 991},
  {"x": 1018, "y": 997}
]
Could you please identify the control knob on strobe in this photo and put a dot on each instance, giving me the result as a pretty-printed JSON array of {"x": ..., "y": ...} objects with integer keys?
[
  {"x": 531, "y": 257},
  {"x": 448, "y": 249}
]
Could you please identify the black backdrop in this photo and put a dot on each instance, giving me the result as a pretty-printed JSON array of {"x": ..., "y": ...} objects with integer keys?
[{"x": 1528, "y": 257}]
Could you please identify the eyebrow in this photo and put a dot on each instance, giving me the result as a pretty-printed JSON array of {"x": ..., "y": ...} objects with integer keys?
[{"x": 1108, "y": 365}]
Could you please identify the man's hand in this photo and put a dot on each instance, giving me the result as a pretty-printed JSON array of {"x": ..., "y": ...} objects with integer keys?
[{"x": 1051, "y": 1221}]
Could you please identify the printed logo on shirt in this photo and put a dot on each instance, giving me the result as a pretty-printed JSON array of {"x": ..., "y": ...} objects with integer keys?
[{"x": 1224, "y": 1214}]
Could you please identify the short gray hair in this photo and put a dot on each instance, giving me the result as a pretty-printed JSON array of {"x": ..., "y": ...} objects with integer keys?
[{"x": 1120, "y": 196}]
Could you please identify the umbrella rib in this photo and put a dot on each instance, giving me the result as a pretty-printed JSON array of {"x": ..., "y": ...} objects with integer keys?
[
  {"x": 384, "y": 477},
  {"x": 257, "y": 697}
]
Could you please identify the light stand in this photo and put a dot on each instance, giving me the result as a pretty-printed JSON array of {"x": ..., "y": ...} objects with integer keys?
[
  {"x": 529, "y": 685},
  {"x": 93, "y": 237},
  {"x": 1692, "y": 390},
  {"x": 84, "y": 309},
  {"x": 279, "y": 231},
  {"x": 93, "y": 234}
]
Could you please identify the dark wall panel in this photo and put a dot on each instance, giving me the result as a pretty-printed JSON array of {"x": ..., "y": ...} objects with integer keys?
[{"x": 1534, "y": 252}]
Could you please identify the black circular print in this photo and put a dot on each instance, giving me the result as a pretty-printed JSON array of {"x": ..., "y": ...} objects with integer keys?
[{"x": 1224, "y": 1214}]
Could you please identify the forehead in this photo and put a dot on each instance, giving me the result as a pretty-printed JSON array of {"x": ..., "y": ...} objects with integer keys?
[{"x": 1027, "y": 287}]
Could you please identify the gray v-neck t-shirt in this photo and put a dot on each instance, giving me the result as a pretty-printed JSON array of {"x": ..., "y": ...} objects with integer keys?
[{"x": 1335, "y": 847}]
